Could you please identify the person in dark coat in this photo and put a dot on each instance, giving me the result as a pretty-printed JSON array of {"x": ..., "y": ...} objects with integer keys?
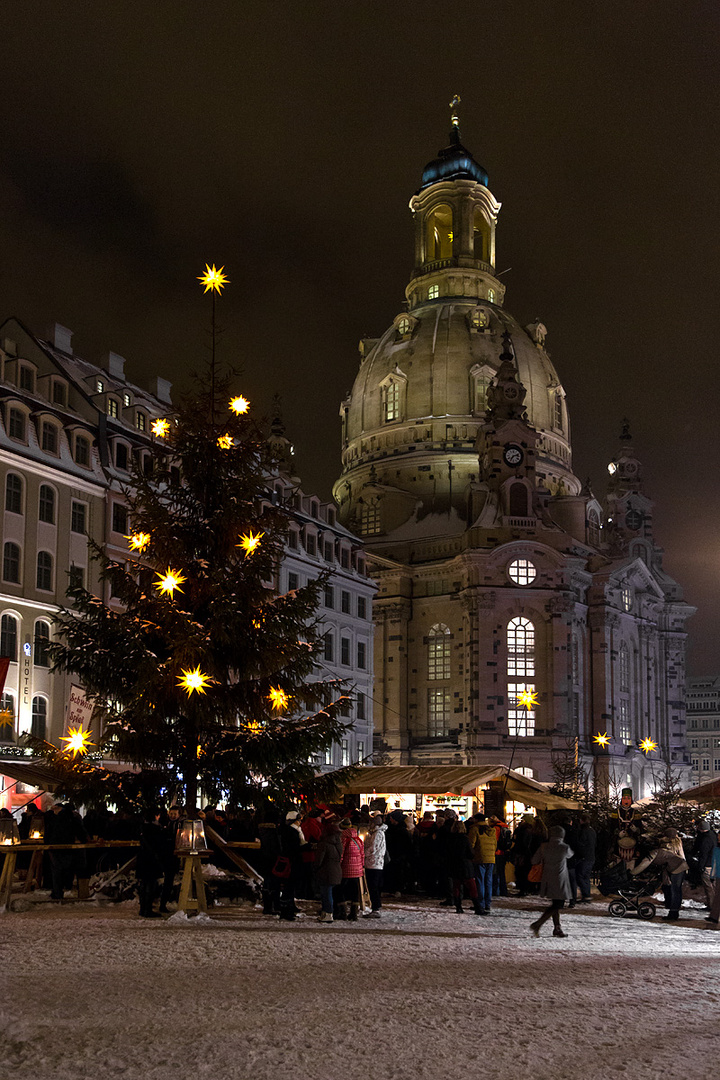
[
  {"x": 328, "y": 873},
  {"x": 459, "y": 854},
  {"x": 150, "y": 860},
  {"x": 292, "y": 842},
  {"x": 701, "y": 856},
  {"x": 555, "y": 883},
  {"x": 269, "y": 836},
  {"x": 585, "y": 849},
  {"x": 521, "y": 853},
  {"x": 171, "y": 863},
  {"x": 442, "y": 846},
  {"x": 62, "y": 826},
  {"x": 400, "y": 851}
]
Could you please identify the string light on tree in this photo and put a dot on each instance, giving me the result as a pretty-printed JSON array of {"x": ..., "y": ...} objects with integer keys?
[
  {"x": 226, "y": 442},
  {"x": 194, "y": 681},
  {"x": 647, "y": 746},
  {"x": 170, "y": 581},
  {"x": 160, "y": 428},
  {"x": 602, "y": 740},
  {"x": 213, "y": 279},
  {"x": 138, "y": 541},
  {"x": 278, "y": 699},
  {"x": 249, "y": 542},
  {"x": 78, "y": 740}
]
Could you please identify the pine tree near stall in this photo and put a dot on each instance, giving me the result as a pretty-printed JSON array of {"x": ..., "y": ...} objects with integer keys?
[
  {"x": 667, "y": 808},
  {"x": 203, "y": 678}
]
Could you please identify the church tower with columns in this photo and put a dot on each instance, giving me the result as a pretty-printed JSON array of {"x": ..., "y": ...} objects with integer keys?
[{"x": 501, "y": 579}]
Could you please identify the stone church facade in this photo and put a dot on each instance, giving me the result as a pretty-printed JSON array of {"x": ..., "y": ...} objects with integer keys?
[{"x": 498, "y": 572}]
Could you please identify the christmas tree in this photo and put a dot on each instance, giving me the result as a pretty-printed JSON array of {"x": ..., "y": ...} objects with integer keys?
[{"x": 203, "y": 678}]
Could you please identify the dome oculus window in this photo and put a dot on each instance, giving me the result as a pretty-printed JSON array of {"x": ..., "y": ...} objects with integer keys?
[
  {"x": 404, "y": 326},
  {"x": 522, "y": 571}
]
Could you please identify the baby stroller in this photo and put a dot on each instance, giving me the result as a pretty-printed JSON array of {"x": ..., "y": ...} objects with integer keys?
[{"x": 631, "y": 894}]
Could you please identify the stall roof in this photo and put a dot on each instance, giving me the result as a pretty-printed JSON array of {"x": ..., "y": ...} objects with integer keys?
[
  {"x": 28, "y": 771},
  {"x": 703, "y": 793},
  {"x": 451, "y": 779}
]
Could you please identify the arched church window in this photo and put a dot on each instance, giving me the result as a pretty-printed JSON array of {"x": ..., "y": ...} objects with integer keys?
[
  {"x": 518, "y": 500},
  {"x": 391, "y": 400},
  {"x": 439, "y": 652},
  {"x": 593, "y": 528},
  {"x": 481, "y": 382},
  {"x": 481, "y": 236},
  {"x": 439, "y": 235},
  {"x": 491, "y": 296},
  {"x": 558, "y": 410},
  {"x": 521, "y": 675},
  {"x": 433, "y": 292}
]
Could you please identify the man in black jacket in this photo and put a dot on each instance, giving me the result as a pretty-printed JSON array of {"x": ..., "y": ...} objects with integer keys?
[
  {"x": 701, "y": 855},
  {"x": 585, "y": 848}
]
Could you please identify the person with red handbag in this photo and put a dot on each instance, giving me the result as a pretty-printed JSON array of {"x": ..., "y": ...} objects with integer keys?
[{"x": 553, "y": 856}]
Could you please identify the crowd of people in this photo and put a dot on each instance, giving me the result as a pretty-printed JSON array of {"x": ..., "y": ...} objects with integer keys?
[{"x": 330, "y": 854}]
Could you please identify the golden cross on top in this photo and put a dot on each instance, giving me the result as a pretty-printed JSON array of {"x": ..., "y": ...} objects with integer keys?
[{"x": 453, "y": 105}]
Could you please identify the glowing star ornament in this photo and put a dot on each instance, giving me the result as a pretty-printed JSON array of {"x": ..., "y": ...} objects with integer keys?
[
  {"x": 249, "y": 543},
  {"x": 226, "y": 442},
  {"x": 239, "y": 405},
  {"x": 194, "y": 681},
  {"x": 6, "y": 718},
  {"x": 77, "y": 741},
  {"x": 160, "y": 428},
  {"x": 213, "y": 279},
  {"x": 527, "y": 699},
  {"x": 602, "y": 740},
  {"x": 647, "y": 746},
  {"x": 278, "y": 699},
  {"x": 169, "y": 581},
  {"x": 138, "y": 541}
]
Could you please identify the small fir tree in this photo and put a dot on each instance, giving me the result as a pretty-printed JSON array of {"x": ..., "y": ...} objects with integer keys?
[{"x": 203, "y": 678}]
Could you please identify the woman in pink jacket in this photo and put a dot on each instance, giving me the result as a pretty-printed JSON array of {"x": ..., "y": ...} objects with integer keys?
[{"x": 352, "y": 863}]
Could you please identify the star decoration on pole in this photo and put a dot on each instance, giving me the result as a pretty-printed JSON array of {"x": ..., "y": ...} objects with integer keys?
[
  {"x": 527, "y": 699},
  {"x": 278, "y": 699},
  {"x": 226, "y": 442},
  {"x": 647, "y": 746},
  {"x": 213, "y": 279},
  {"x": 160, "y": 428},
  {"x": 169, "y": 581},
  {"x": 78, "y": 740},
  {"x": 249, "y": 542},
  {"x": 239, "y": 405},
  {"x": 602, "y": 740},
  {"x": 194, "y": 681},
  {"x": 138, "y": 541}
]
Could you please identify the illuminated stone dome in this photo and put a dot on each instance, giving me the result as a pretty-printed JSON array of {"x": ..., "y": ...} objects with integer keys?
[{"x": 412, "y": 420}]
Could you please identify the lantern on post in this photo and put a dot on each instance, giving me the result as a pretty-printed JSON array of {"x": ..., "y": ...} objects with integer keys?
[
  {"x": 9, "y": 832},
  {"x": 190, "y": 837}
]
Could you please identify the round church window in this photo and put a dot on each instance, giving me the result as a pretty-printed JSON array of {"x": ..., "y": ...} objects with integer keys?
[{"x": 522, "y": 571}]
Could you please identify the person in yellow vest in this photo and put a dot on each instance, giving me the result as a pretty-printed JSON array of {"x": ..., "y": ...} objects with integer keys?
[{"x": 483, "y": 840}]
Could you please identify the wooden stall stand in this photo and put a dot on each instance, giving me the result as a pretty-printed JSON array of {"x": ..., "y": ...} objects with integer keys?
[{"x": 192, "y": 888}]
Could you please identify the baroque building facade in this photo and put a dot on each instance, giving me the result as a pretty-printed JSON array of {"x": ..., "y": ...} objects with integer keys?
[
  {"x": 498, "y": 571},
  {"x": 703, "y": 727}
]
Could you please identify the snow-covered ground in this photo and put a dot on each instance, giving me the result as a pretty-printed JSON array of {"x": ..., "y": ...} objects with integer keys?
[{"x": 93, "y": 991}]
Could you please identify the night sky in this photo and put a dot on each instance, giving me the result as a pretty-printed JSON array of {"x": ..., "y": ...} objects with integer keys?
[{"x": 284, "y": 140}]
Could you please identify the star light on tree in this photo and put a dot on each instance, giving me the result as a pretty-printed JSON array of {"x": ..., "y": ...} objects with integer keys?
[
  {"x": 78, "y": 740},
  {"x": 213, "y": 279},
  {"x": 278, "y": 698},
  {"x": 170, "y": 581},
  {"x": 194, "y": 681},
  {"x": 226, "y": 442},
  {"x": 647, "y": 746},
  {"x": 160, "y": 428},
  {"x": 138, "y": 541},
  {"x": 239, "y": 405},
  {"x": 602, "y": 740},
  {"x": 249, "y": 542},
  {"x": 528, "y": 699}
]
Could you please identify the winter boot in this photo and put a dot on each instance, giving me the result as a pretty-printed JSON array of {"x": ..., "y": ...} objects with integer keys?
[
  {"x": 286, "y": 913},
  {"x": 477, "y": 906},
  {"x": 340, "y": 912},
  {"x": 325, "y": 917},
  {"x": 352, "y": 917},
  {"x": 459, "y": 907}
]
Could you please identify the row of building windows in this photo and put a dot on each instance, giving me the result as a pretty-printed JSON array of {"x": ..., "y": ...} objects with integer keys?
[
  {"x": 330, "y": 600},
  {"x": 47, "y": 504},
  {"x": 9, "y": 637},
  {"x": 705, "y": 764},
  {"x": 44, "y": 577},
  {"x": 329, "y": 651}
]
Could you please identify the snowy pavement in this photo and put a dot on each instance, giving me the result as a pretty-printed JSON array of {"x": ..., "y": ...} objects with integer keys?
[{"x": 93, "y": 991}]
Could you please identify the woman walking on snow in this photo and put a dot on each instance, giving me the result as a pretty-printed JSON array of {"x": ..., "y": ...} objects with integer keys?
[{"x": 555, "y": 883}]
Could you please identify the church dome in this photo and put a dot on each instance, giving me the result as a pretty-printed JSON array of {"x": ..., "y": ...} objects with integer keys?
[{"x": 453, "y": 163}]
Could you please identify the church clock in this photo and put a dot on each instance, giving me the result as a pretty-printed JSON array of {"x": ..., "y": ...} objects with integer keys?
[{"x": 513, "y": 456}]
